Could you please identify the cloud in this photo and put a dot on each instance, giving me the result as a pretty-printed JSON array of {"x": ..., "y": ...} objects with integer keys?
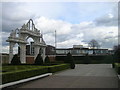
[
  {"x": 73, "y": 34},
  {"x": 69, "y": 34},
  {"x": 75, "y": 23},
  {"x": 14, "y": 15},
  {"x": 5, "y": 49},
  {"x": 109, "y": 19},
  {"x": 16, "y": 12},
  {"x": 49, "y": 39},
  {"x": 47, "y": 25},
  {"x": 4, "y": 37}
]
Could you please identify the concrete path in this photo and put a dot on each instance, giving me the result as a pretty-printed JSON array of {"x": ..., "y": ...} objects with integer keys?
[{"x": 84, "y": 76}]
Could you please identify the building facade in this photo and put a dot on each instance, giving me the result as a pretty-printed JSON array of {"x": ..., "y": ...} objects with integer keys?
[
  {"x": 80, "y": 50},
  {"x": 50, "y": 50},
  {"x": 76, "y": 50}
]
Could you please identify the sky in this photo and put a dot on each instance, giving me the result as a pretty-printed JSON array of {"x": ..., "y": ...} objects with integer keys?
[{"x": 76, "y": 23}]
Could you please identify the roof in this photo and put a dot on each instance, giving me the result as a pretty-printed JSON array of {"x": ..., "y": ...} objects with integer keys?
[{"x": 78, "y": 49}]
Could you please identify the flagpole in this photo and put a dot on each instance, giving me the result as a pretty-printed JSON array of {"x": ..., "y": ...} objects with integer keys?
[{"x": 55, "y": 43}]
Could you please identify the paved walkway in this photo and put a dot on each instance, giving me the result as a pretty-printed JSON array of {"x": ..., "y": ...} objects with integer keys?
[{"x": 84, "y": 76}]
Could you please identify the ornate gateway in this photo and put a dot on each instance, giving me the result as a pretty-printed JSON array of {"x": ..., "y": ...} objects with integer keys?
[{"x": 20, "y": 36}]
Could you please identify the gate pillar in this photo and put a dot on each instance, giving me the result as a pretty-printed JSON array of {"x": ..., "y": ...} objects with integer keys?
[
  {"x": 11, "y": 45},
  {"x": 23, "y": 53}
]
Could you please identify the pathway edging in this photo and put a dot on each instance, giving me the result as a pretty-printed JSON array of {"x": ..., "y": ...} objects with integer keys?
[{"x": 24, "y": 80}]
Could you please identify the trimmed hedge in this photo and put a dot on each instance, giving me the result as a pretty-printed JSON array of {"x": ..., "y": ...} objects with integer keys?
[
  {"x": 117, "y": 67},
  {"x": 11, "y": 68},
  {"x": 99, "y": 59},
  {"x": 15, "y": 60},
  {"x": 23, "y": 74},
  {"x": 47, "y": 60},
  {"x": 56, "y": 68},
  {"x": 70, "y": 60},
  {"x": 38, "y": 60}
]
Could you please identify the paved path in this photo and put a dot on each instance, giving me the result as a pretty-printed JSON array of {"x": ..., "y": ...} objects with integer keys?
[{"x": 84, "y": 76}]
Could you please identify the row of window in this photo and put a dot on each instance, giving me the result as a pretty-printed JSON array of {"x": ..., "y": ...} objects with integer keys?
[{"x": 77, "y": 52}]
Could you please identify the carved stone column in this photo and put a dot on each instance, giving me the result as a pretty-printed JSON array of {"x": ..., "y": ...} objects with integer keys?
[
  {"x": 11, "y": 45},
  {"x": 36, "y": 51},
  {"x": 43, "y": 53},
  {"x": 23, "y": 53}
]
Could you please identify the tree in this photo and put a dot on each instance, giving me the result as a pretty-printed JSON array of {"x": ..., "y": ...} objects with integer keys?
[
  {"x": 47, "y": 60},
  {"x": 70, "y": 60},
  {"x": 38, "y": 60},
  {"x": 15, "y": 60},
  {"x": 93, "y": 44},
  {"x": 117, "y": 53}
]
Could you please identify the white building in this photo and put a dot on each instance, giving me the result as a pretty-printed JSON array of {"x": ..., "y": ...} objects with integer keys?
[{"x": 80, "y": 50}]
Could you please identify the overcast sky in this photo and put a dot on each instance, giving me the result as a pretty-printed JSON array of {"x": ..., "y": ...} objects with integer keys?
[{"x": 76, "y": 23}]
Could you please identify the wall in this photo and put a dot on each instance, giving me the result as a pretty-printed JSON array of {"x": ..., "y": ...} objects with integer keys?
[
  {"x": 52, "y": 58},
  {"x": 29, "y": 59},
  {"x": 5, "y": 58}
]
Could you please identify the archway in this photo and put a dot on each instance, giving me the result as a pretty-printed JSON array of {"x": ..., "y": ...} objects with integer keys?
[
  {"x": 16, "y": 49},
  {"x": 27, "y": 30},
  {"x": 29, "y": 46}
]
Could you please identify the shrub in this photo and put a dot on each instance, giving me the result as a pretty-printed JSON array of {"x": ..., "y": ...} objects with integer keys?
[
  {"x": 113, "y": 65},
  {"x": 113, "y": 61},
  {"x": 117, "y": 67},
  {"x": 47, "y": 60},
  {"x": 61, "y": 58},
  {"x": 22, "y": 74},
  {"x": 56, "y": 68},
  {"x": 15, "y": 60},
  {"x": 72, "y": 65},
  {"x": 117, "y": 54},
  {"x": 38, "y": 60},
  {"x": 70, "y": 60},
  {"x": 87, "y": 59},
  {"x": 97, "y": 59},
  {"x": 57, "y": 62}
]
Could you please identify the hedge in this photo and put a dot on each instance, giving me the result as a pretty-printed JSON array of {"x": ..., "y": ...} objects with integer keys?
[
  {"x": 23, "y": 74},
  {"x": 97, "y": 59},
  {"x": 117, "y": 67},
  {"x": 10, "y": 68},
  {"x": 55, "y": 68}
]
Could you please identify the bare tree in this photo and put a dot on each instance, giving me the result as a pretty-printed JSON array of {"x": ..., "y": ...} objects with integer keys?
[{"x": 93, "y": 44}]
